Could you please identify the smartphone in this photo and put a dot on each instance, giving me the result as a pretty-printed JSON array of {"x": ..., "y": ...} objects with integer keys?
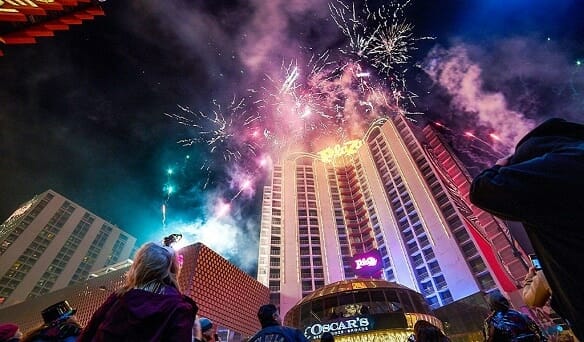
[{"x": 535, "y": 261}]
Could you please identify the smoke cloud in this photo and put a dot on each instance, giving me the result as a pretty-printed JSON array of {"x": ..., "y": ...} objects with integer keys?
[
  {"x": 462, "y": 79},
  {"x": 504, "y": 87}
]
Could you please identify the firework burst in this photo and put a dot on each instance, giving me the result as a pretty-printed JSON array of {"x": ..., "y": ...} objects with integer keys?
[
  {"x": 321, "y": 99},
  {"x": 231, "y": 132},
  {"x": 382, "y": 38},
  {"x": 312, "y": 100}
]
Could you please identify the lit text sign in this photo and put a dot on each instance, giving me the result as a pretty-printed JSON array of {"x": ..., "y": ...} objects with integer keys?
[
  {"x": 368, "y": 264},
  {"x": 342, "y": 327},
  {"x": 363, "y": 262},
  {"x": 349, "y": 148}
]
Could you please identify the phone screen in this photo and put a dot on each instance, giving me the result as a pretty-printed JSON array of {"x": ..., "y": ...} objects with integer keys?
[{"x": 535, "y": 262}]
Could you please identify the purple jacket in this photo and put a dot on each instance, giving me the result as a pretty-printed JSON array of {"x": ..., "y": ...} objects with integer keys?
[{"x": 140, "y": 315}]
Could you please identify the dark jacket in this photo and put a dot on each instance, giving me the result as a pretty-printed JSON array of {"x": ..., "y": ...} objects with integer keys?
[
  {"x": 511, "y": 326},
  {"x": 278, "y": 333},
  {"x": 543, "y": 187},
  {"x": 140, "y": 315},
  {"x": 62, "y": 330}
]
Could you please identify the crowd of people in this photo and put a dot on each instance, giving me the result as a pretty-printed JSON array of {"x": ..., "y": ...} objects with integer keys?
[
  {"x": 540, "y": 184},
  {"x": 148, "y": 307}
]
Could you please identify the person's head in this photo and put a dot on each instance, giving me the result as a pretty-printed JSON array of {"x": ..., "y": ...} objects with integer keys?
[
  {"x": 206, "y": 328},
  {"x": 63, "y": 330},
  {"x": 152, "y": 263},
  {"x": 268, "y": 315},
  {"x": 327, "y": 337},
  {"x": 60, "y": 324},
  {"x": 425, "y": 331},
  {"x": 9, "y": 333},
  {"x": 498, "y": 302}
]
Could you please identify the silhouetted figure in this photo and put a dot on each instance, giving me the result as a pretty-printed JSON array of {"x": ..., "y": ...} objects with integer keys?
[
  {"x": 541, "y": 185},
  {"x": 60, "y": 325},
  {"x": 506, "y": 325},
  {"x": 203, "y": 331},
  {"x": 425, "y": 331},
  {"x": 364, "y": 310},
  {"x": 272, "y": 329},
  {"x": 334, "y": 315},
  {"x": 327, "y": 337}
]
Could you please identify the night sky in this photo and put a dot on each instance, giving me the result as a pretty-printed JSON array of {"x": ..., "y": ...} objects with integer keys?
[{"x": 82, "y": 113}]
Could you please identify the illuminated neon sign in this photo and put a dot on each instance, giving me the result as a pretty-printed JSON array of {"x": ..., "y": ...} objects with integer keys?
[
  {"x": 346, "y": 326},
  {"x": 349, "y": 148},
  {"x": 368, "y": 264},
  {"x": 360, "y": 263}
]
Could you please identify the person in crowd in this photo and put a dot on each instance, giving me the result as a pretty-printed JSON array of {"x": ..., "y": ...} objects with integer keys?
[
  {"x": 203, "y": 331},
  {"x": 425, "y": 331},
  {"x": 334, "y": 314},
  {"x": 149, "y": 306},
  {"x": 507, "y": 325},
  {"x": 536, "y": 290},
  {"x": 327, "y": 337},
  {"x": 60, "y": 325},
  {"x": 272, "y": 329},
  {"x": 364, "y": 310},
  {"x": 10, "y": 332},
  {"x": 541, "y": 185}
]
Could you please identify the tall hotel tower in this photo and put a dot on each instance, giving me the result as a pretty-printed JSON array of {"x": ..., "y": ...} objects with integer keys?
[
  {"x": 50, "y": 242},
  {"x": 398, "y": 193}
]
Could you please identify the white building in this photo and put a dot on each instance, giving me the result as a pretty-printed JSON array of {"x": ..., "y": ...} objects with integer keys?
[
  {"x": 384, "y": 194},
  {"x": 51, "y": 242}
]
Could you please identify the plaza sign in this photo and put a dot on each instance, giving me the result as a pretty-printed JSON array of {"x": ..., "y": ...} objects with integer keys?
[
  {"x": 368, "y": 264},
  {"x": 370, "y": 261},
  {"x": 349, "y": 148}
]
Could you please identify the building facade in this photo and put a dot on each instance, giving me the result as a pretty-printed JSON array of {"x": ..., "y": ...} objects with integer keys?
[
  {"x": 50, "y": 243},
  {"x": 387, "y": 194},
  {"x": 85, "y": 297},
  {"x": 361, "y": 310},
  {"x": 224, "y": 293}
]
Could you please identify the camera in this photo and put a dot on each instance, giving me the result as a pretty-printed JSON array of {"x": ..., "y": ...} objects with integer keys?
[
  {"x": 168, "y": 241},
  {"x": 535, "y": 261}
]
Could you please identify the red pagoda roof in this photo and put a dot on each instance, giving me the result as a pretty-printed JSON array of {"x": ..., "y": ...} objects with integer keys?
[{"x": 22, "y": 21}]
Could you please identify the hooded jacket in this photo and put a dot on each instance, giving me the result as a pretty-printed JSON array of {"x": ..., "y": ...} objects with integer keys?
[
  {"x": 542, "y": 186},
  {"x": 140, "y": 315},
  {"x": 277, "y": 332}
]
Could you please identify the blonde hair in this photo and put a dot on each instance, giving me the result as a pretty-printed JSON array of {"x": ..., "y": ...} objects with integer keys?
[{"x": 154, "y": 264}]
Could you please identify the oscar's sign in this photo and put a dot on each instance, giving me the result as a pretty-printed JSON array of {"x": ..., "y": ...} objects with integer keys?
[{"x": 341, "y": 327}]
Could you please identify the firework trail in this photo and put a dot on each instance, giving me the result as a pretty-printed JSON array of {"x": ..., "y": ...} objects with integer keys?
[
  {"x": 168, "y": 190},
  {"x": 246, "y": 185},
  {"x": 477, "y": 149}
]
